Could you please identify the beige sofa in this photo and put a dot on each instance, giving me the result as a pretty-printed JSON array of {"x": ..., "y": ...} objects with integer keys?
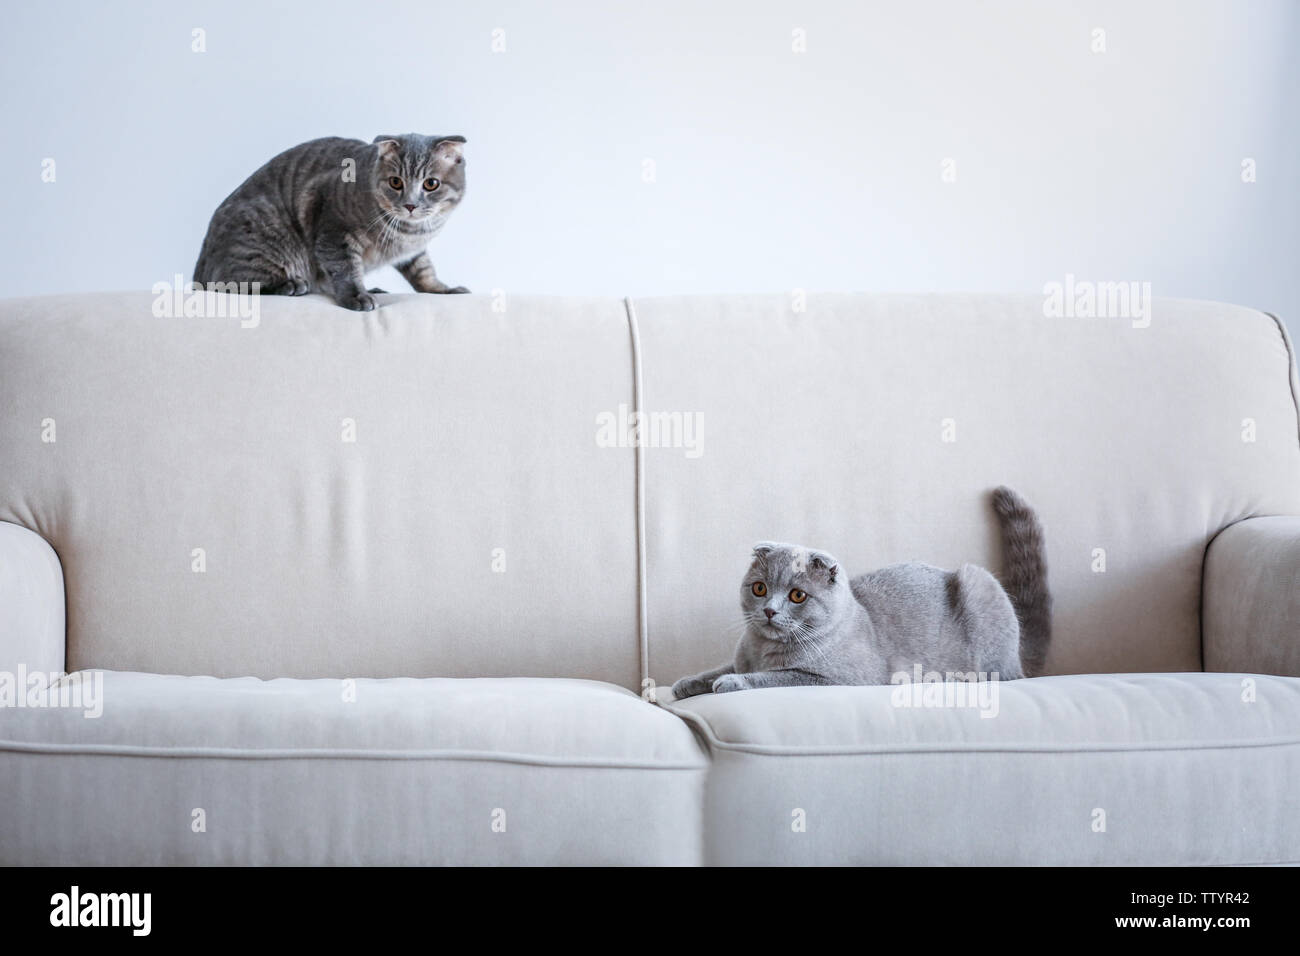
[{"x": 404, "y": 587}]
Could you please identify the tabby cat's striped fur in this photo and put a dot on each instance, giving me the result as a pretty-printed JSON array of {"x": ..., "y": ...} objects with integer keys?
[{"x": 319, "y": 216}]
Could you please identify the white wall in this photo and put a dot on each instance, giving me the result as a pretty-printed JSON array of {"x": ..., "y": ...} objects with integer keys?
[{"x": 775, "y": 170}]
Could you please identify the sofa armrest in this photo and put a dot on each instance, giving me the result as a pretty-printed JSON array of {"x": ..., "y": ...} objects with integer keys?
[
  {"x": 1251, "y": 598},
  {"x": 31, "y": 602}
]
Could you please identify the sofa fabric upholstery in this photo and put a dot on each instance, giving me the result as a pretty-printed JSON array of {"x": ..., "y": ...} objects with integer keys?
[
  {"x": 187, "y": 441},
  {"x": 1160, "y": 769},
  {"x": 31, "y": 602},
  {"x": 399, "y": 771},
  {"x": 827, "y": 427},
  {"x": 1252, "y": 597},
  {"x": 474, "y": 450},
  {"x": 383, "y": 587}
]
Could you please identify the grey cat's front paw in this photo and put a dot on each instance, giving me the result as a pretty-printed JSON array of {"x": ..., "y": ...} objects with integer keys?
[
  {"x": 689, "y": 687},
  {"x": 378, "y": 291},
  {"x": 361, "y": 302},
  {"x": 729, "y": 682},
  {"x": 457, "y": 290}
]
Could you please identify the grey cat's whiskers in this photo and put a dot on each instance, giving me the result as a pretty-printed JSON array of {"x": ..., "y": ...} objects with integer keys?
[{"x": 805, "y": 636}]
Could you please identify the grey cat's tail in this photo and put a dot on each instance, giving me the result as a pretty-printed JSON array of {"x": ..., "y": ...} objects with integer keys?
[{"x": 1025, "y": 576}]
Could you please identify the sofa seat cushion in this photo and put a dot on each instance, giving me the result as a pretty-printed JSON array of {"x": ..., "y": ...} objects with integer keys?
[
  {"x": 1103, "y": 769},
  {"x": 241, "y": 770}
]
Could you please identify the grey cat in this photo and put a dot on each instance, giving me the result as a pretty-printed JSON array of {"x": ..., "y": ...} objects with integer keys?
[
  {"x": 807, "y": 623},
  {"x": 321, "y": 215}
]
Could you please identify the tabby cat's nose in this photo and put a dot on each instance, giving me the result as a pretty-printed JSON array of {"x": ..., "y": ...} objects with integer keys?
[
  {"x": 769, "y": 612},
  {"x": 410, "y": 207}
]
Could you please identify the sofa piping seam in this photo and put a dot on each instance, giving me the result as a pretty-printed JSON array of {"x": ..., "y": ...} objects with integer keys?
[
  {"x": 774, "y": 750},
  {"x": 642, "y": 599},
  {"x": 1293, "y": 378},
  {"x": 225, "y": 753}
]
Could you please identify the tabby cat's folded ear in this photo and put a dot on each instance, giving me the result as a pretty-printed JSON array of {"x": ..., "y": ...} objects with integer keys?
[
  {"x": 450, "y": 148},
  {"x": 387, "y": 144}
]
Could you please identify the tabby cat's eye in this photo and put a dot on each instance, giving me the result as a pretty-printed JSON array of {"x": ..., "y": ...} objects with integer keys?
[
  {"x": 758, "y": 588},
  {"x": 395, "y": 182},
  {"x": 798, "y": 596},
  {"x": 431, "y": 184}
]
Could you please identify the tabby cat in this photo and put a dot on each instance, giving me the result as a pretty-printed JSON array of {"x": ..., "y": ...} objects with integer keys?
[{"x": 319, "y": 216}]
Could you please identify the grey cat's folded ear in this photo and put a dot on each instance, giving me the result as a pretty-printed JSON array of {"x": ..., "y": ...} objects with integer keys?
[
  {"x": 387, "y": 144},
  {"x": 764, "y": 548},
  {"x": 821, "y": 561}
]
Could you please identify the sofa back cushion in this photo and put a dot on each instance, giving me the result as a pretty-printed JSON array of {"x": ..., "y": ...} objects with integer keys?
[
  {"x": 415, "y": 491},
  {"x": 874, "y": 427},
  {"x": 448, "y": 488}
]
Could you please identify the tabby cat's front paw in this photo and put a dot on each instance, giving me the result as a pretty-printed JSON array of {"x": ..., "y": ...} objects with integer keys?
[
  {"x": 361, "y": 302},
  {"x": 729, "y": 682},
  {"x": 457, "y": 290}
]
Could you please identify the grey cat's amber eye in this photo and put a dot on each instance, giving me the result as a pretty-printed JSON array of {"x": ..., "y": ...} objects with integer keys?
[
  {"x": 759, "y": 588},
  {"x": 797, "y": 596},
  {"x": 431, "y": 184},
  {"x": 396, "y": 182}
]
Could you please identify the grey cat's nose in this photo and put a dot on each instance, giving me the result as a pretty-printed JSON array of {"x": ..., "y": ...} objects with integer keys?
[
  {"x": 769, "y": 612},
  {"x": 410, "y": 207}
]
